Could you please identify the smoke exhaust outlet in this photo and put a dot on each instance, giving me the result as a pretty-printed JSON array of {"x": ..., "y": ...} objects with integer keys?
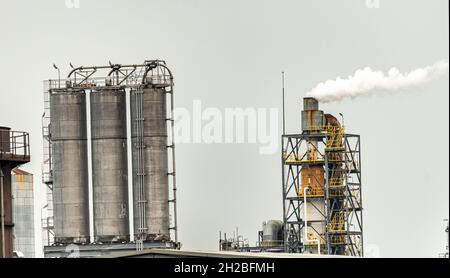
[{"x": 312, "y": 117}]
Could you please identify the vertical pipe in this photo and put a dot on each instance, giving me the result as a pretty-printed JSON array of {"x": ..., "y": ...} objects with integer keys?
[
  {"x": 48, "y": 231},
  {"x": 142, "y": 202},
  {"x": 140, "y": 163},
  {"x": 129, "y": 162},
  {"x": 89, "y": 165},
  {"x": 446, "y": 230},
  {"x": 220, "y": 240},
  {"x": 225, "y": 240},
  {"x": 285, "y": 232},
  {"x": 360, "y": 192},
  {"x": 347, "y": 193},
  {"x": 3, "y": 214},
  {"x": 327, "y": 212},
  {"x": 59, "y": 78},
  {"x": 284, "y": 116},
  {"x": 140, "y": 198},
  {"x": 174, "y": 185}
]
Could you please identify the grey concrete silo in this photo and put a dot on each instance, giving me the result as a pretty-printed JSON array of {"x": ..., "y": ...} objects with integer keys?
[
  {"x": 150, "y": 162},
  {"x": 109, "y": 164},
  {"x": 70, "y": 170}
]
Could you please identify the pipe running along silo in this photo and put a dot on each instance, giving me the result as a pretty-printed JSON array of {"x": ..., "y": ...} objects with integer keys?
[
  {"x": 109, "y": 164},
  {"x": 70, "y": 170},
  {"x": 150, "y": 162}
]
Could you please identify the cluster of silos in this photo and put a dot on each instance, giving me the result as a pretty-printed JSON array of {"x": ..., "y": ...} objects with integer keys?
[{"x": 109, "y": 160}]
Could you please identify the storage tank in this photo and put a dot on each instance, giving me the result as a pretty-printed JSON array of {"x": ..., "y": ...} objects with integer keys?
[
  {"x": 70, "y": 170},
  {"x": 109, "y": 164},
  {"x": 272, "y": 233},
  {"x": 150, "y": 163}
]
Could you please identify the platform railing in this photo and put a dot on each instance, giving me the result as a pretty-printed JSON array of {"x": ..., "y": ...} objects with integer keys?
[{"x": 14, "y": 143}]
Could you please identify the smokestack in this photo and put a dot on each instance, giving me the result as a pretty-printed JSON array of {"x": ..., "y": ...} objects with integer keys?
[{"x": 312, "y": 117}]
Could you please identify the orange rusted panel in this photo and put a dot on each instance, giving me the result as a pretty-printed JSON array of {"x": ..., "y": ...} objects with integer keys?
[{"x": 314, "y": 178}]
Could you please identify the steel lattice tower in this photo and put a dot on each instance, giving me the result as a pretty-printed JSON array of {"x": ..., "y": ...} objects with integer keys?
[{"x": 322, "y": 200}]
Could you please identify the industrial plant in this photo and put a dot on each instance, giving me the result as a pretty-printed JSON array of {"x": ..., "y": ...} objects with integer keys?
[
  {"x": 109, "y": 172},
  {"x": 108, "y": 134},
  {"x": 321, "y": 185},
  {"x": 108, "y": 131},
  {"x": 322, "y": 201}
]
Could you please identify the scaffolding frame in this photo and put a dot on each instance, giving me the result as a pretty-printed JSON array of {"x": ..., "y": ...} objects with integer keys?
[{"x": 340, "y": 156}]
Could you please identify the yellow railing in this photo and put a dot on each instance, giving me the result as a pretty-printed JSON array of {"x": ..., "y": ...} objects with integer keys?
[
  {"x": 312, "y": 237},
  {"x": 294, "y": 158},
  {"x": 335, "y": 137},
  {"x": 337, "y": 223},
  {"x": 337, "y": 239},
  {"x": 312, "y": 192},
  {"x": 336, "y": 182},
  {"x": 336, "y": 192}
]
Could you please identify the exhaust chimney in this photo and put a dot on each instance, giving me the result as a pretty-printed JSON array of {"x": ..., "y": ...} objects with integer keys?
[{"x": 312, "y": 117}]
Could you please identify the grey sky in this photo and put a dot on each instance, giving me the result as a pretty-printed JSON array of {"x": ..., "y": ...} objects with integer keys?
[{"x": 230, "y": 54}]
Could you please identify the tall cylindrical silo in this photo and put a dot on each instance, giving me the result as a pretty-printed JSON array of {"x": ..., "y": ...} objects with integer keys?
[
  {"x": 70, "y": 170},
  {"x": 109, "y": 164},
  {"x": 150, "y": 163}
]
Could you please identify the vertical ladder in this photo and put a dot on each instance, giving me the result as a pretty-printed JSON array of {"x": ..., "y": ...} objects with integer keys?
[
  {"x": 171, "y": 147},
  {"x": 47, "y": 174},
  {"x": 140, "y": 168}
]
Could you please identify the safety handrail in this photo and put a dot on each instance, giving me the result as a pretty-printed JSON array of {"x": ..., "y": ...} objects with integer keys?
[{"x": 15, "y": 143}]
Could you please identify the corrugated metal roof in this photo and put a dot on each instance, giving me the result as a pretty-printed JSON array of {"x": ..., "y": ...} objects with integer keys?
[{"x": 19, "y": 171}]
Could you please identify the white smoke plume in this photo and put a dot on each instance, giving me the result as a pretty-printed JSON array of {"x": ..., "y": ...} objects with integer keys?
[{"x": 366, "y": 81}]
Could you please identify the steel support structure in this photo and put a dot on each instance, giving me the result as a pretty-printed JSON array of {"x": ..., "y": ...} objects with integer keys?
[{"x": 342, "y": 217}]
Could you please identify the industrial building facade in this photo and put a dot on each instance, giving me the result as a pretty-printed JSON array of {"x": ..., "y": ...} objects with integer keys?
[
  {"x": 23, "y": 212},
  {"x": 14, "y": 151}
]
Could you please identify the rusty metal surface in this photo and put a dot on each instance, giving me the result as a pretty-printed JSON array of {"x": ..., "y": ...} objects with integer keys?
[
  {"x": 14, "y": 151},
  {"x": 312, "y": 119},
  {"x": 314, "y": 178},
  {"x": 331, "y": 120},
  {"x": 310, "y": 103}
]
